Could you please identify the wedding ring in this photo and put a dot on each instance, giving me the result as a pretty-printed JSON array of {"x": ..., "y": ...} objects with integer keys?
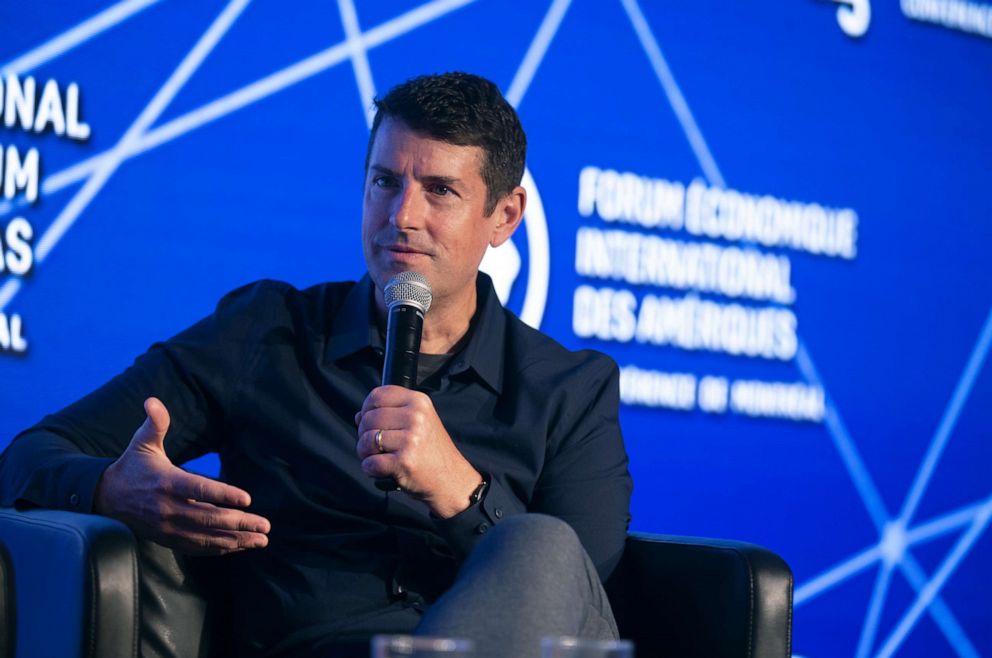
[{"x": 378, "y": 441}]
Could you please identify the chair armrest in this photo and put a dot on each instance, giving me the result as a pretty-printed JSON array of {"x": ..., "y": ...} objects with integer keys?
[
  {"x": 74, "y": 584},
  {"x": 694, "y": 597}
]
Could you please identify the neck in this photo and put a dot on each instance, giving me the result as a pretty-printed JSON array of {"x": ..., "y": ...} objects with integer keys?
[{"x": 447, "y": 324}]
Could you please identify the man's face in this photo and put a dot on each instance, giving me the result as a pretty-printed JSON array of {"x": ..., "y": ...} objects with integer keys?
[{"x": 423, "y": 210}]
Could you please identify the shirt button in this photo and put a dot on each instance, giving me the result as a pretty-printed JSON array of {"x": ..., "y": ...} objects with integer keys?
[
  {"x": 482, "y": 528},
  {"x": 498, "y": 512},
  {"x": 74, "y": 500}
]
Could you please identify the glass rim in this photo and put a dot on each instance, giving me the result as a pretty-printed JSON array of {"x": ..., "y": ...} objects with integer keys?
[
  {"x": 570, "y": 641},
  {"x": 422, "y": 642}
]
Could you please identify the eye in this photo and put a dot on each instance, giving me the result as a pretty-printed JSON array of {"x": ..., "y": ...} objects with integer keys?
[
  {"x": 383, "y": 181},
  {"x": 440, "y": 190}
]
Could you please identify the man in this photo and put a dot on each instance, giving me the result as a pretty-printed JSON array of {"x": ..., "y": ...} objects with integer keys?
[{"x": 504, "y": 422}]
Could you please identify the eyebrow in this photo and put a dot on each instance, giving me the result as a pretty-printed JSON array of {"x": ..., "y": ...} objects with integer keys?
[{"x": 443, "y": 180}]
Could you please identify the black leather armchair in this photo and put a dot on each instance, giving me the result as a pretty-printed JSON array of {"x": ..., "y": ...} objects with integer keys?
[{"x": 81, "y": 585}]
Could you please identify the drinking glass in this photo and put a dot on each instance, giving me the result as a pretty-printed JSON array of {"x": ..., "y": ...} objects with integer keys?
[
  {"x": 415, "y": 646},
  {"x": 573, "y": 647}
]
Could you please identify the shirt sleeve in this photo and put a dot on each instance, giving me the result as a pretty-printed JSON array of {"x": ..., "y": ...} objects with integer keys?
[
  {"x": 43, "y": 469},
  {"x": 464, "y": 530},
  {"x": 585, "y": 480},
  {"x": 58, "y": 462}
]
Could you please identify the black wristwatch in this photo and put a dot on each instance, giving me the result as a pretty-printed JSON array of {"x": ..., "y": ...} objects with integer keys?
[{"x": 480, "y": 491}]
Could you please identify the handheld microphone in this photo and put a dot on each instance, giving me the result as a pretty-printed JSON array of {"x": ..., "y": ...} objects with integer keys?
[{"x": 408, "y": 297}]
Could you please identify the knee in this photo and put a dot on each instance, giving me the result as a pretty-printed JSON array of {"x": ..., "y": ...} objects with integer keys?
[
  {"x": 540, "y": 530},
  {"x": 544, "y": 543}
]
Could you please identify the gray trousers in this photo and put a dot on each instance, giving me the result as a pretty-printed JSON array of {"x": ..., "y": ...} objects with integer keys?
[{"x": 528, "y": 578}]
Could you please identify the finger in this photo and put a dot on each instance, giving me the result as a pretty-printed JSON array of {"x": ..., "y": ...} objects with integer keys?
[
  {"x": 388, "y": 396},
  {"x": 151, "y": 434},
  {"x": 203, "y": 489},
  {"x": 215, "y": 542},
  {"x": 368, "y": 446},
  {"x": 382, "y": 465},
  {"x": 196, "y": 515},
  {"x": 384, "y": 419}
]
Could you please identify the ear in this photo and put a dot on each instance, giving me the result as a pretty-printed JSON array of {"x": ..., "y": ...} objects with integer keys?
[{"x": 508, "y": 214}]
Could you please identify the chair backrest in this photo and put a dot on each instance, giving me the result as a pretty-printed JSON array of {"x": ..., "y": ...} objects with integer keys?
[
  {"x": 7, "y": 626},
  {"x": 702, "y": 598}
]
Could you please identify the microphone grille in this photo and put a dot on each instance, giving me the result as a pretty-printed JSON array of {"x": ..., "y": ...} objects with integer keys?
[{"x": 408, "y": 288}]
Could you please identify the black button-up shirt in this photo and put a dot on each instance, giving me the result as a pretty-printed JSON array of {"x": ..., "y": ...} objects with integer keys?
[{"x": 272, "y": 381}]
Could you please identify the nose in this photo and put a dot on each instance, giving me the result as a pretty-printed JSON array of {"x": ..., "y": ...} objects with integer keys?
[{"x": 407, "y": 212}]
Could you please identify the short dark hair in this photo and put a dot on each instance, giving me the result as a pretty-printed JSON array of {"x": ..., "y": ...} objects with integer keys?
[{"x": 465, "y": 110}]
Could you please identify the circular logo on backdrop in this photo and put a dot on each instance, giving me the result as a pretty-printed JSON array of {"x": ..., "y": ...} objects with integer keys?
[
  {"x": 505, "y": 264},
  {"x": 854, "y": 17}
]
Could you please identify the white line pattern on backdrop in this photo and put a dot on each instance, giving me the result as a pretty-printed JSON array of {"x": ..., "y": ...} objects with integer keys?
[
  {"x": 159, "y": 102},
  {"x": 56, "y": 46},
  {"x": 359, "y": 58},
  {"x": 234, "y": 101},
  {"x": 927, "y": 593},
  {"x": 536, "y": 51}
]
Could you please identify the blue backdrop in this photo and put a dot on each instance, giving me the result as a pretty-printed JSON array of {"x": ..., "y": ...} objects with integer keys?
[{"x": 774, "y": 216}]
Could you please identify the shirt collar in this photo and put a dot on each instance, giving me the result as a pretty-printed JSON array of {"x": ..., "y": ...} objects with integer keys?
[
  {"x": 486, "y": 344},
  {"x": 354, "y": 328},
  {"x": 354, "y": 325}
]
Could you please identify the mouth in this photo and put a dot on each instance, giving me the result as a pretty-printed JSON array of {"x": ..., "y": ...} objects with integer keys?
[{"x": 404, "y": 250}]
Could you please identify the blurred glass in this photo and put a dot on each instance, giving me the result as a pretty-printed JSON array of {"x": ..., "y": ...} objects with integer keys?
[
  {"x": 410, "y": 646},
  {"x": 573, "y": 647}
]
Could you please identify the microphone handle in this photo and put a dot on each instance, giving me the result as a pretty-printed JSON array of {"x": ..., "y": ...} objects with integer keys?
[
  {"x": 403, "y": 331},
  {"x": 404, "y": 328}
]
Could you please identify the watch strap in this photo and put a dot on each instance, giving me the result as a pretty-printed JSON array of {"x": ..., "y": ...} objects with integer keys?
[{"x": 480, "y": 491}]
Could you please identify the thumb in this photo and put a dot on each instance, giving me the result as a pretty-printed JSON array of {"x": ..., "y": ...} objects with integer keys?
[{"x": 151, "y": 434}]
